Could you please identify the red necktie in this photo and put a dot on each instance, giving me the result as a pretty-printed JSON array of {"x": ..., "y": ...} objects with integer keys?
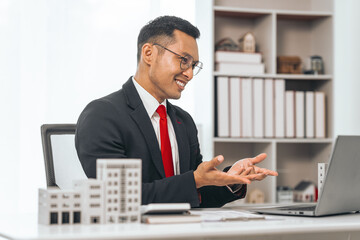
[{"x": 165, "y": 142}]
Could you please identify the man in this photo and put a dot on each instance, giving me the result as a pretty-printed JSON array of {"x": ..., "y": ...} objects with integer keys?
[{"x": 138, "y": 122}]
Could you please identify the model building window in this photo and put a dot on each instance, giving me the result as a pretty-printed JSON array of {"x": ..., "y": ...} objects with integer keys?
[
  {"x": 77, "y": 217},
  {"x": 65, "y": 217},
  {"x": 53, "y": 196},
  {"x": 53, "y": 218}
]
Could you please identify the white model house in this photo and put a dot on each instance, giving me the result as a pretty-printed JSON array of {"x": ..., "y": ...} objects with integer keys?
[
  {"x": 93, "y": 208},
  {"x": 305, "y": 191},
  {"x": 122, "y": 179},
  {"x": 59, "y": 206}
]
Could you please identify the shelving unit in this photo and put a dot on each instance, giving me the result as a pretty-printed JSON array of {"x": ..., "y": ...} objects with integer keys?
[{"x": 281, "y": 28}]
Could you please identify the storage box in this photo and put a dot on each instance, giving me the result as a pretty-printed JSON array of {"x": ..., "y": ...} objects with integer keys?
[{"x": 287, "y": 64}]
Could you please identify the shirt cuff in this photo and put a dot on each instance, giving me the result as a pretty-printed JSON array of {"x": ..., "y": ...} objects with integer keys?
[{"x": 235, "y": 188}]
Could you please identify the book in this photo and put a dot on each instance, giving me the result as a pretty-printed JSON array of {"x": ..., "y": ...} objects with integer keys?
[
  {"x": 258, "y": 109},
  {"x": 309, "y": 114},
  {"x": 170, "y": 218},
  {"x": 247, "y": 108},
  {"x": 289, "y": 114},
  {"x": 235, "y": 107},
  {"x": 269, "y": 108},
  {"x": 240, "y": 68},
  {"x": 240, "y": 57},
  {"x": 300, "y": 114},
  {"x": 279, "y": 103},
  {"x": 168, "y": 208},
  {"x": 320, "y": 124},
  {"x": 222, "y": 93}
]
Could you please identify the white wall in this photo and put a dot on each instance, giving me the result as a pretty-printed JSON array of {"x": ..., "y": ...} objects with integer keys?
[
  {"x": 347, "y": 65},
  {"x": 55, "y": 57}
]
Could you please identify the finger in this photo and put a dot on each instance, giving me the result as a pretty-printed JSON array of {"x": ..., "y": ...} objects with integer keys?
[
  {"x": 226, "y": 179},
  {"x": 266, "y": 171},
  {"x": 259, "y": 158},
  {"x": 246, "y": 171},
  {"x": 214, "y": 162},
  {"x": 256, "y": 176},
  {"x": 236, "y": 168}
]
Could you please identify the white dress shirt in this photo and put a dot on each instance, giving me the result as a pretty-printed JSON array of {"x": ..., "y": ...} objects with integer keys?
[{"x": 151, "y": 104}]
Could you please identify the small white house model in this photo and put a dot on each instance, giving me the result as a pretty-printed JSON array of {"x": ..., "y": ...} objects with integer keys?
[
  {"x": 114, "y": 197},
  {"x": 247, "y": 43},
  {"x": 256, "y": 196},
  {"x": 59, "y": 206},
  {"x": 305, "y": 191},
  {"x": 122, "y": 189},
  {"x": 92, "y": 192}
]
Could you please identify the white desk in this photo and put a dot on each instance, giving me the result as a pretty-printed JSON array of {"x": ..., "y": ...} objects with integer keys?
[{"x": 333, "y": 227}]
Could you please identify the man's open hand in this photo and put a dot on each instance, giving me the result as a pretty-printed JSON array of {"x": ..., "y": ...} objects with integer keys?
[{"x": 242, "y": 172}]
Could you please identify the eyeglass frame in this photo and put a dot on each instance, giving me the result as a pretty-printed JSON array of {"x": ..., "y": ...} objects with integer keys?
[{"x": 183, "y": 58}]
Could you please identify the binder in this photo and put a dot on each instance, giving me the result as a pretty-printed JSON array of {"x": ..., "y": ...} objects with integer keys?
[
  {"x": 290, "y": 114},
  {"x": 258, "y": 110},
  {"x": 269, "y": 108},
  {"x": 235, "y": 107},
  {"x": 246, "y": 103},
  {"x": 222, "y": 93},
  {"x": 279, "y": 108},
  {"x": 309, "y": 115},
  {"x": 320, "y": 124},
  {"x": 300, "y": 114}
]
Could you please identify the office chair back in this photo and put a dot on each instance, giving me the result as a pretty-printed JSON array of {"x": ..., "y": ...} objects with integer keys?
[{"x": 62, "y": 164}]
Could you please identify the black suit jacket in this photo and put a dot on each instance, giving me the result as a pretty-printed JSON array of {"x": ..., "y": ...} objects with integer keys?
[{"x": 118, "y": 126}]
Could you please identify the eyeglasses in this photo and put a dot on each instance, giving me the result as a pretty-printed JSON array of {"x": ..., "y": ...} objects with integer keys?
[{"x": 186, "y": 62}]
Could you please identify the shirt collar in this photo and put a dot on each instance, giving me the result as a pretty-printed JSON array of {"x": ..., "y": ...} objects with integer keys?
[{"x": 150, "y": 103}]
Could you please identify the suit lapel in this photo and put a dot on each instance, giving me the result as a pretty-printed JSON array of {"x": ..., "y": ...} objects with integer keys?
[
  {"x": 181, "y": 138},
  {"x": 140, "y": 116}
]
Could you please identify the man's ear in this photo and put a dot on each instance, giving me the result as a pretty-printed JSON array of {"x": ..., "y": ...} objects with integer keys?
[{"x": 147, "y": 53}]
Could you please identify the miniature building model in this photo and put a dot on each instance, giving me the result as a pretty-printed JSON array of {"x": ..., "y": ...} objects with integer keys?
[
  {"x": 256, "y": 196},
  {"x": 92, "y": 192},
  {"x": 115, "y": 197},
  {"x": 59, "y": 206},
  {"x": 247, "y": 43},
  {"x": 305, "y": 191},
  {"x": 122, "y": 189}
]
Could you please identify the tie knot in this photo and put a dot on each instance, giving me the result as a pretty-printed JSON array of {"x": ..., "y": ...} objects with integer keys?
[{"x": 161, "y": 110}]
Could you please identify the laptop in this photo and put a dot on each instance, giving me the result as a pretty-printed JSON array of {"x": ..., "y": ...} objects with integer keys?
[{"x": 341, "y": 188}]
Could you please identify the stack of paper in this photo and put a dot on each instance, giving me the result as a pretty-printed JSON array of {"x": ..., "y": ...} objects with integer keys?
[{"x": 239, "y": 62}]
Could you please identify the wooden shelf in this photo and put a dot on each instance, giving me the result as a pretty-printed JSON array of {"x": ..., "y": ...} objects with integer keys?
[
  {"x": 273, "y": 140},
  {"x": 301, "y": 15},
  {"x": 282, "y": 76},
  {"x": 239, "y": 12},
  {"x": 221, "y": 11}
]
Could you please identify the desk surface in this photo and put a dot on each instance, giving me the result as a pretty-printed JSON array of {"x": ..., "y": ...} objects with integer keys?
[{"x": 26, "y": 227}]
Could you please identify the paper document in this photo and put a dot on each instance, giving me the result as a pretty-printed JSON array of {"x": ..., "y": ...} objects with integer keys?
[{"x": 216, "y": 216}]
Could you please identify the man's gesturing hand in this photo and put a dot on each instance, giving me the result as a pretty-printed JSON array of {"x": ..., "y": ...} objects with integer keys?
[
  {"x": 241, "y": 168},
  {"x": 207, "y": 174}
]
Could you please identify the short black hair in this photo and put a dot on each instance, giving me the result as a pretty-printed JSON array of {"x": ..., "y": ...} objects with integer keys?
[{"x": 164, "y": 27}]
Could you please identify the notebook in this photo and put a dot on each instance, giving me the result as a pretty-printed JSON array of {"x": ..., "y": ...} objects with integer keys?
[{"x": 341, "y": 190}]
